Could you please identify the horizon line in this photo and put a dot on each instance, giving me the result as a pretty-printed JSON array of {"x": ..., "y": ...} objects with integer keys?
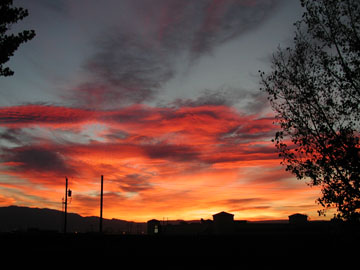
[{"x": 164, "y": 219}]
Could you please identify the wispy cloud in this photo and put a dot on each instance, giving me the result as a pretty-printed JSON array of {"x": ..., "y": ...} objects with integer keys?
[
  {"x": 132, "y": 64},
  {"x": 30, "y": 115}
]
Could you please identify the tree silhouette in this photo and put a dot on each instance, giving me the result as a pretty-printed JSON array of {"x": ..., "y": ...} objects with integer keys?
[
  {"x": 10, "y": 42},
  {"x": 314, "y": 89}
]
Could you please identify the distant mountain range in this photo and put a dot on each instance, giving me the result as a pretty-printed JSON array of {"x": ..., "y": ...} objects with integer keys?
[{"x": 16, "y": 218}]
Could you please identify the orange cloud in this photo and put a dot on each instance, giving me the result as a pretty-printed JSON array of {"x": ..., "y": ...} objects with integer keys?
[{"x": 180, "y": 162}]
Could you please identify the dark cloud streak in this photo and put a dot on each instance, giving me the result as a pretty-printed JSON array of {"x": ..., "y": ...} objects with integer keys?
[
  {"x": 132, "y": 64},
  {"x": 182, "y": 153},
  {"x": 35, "y": 158},
  {"x": 134, "y": 182}
]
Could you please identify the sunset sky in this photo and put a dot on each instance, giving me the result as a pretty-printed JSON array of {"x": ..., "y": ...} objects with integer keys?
[{"x": 159, "y": 96}]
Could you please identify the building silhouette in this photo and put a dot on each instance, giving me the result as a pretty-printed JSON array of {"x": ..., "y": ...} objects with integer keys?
[
  {"x": 223, "y": 223},
  {"x": 154, "y": 227},
  {"x": 298, "y": 219}
]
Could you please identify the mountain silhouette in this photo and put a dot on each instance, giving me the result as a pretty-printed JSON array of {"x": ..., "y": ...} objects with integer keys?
[{"x": 16, "y": 218}]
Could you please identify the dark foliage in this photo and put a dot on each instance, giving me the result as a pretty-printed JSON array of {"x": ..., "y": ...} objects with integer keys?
[
  {"x": 9, "y": 42},
  {"x": 314, "y": 88}
]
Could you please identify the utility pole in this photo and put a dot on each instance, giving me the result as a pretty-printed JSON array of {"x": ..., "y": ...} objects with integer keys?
[
  {"x": 65, "y": 202},
  {"x": 101, "y": 203},
  {"x": 66, "y": 195}
]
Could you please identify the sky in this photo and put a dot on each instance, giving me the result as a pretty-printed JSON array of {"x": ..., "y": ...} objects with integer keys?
[{"x": 162, "y": 97}]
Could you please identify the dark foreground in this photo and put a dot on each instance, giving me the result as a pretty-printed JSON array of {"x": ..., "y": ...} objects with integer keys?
[{"x": 260, "y": 244}]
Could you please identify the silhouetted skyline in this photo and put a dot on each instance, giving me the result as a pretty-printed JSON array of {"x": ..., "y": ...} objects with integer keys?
[{"x": 16, "y": 219}]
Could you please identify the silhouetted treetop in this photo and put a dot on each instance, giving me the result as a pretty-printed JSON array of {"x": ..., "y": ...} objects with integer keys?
[
  {"x": 9, "y": 42},
  {"x": 314, "y": 89}
]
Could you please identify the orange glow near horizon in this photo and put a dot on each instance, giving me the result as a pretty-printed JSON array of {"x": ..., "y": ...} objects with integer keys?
[{"x": 173, "y": 163}]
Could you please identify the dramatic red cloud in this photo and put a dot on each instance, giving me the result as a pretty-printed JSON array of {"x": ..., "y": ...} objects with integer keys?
[
  {"x": 182, "y": 162},
  {"x": 29, "y": 115}
]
